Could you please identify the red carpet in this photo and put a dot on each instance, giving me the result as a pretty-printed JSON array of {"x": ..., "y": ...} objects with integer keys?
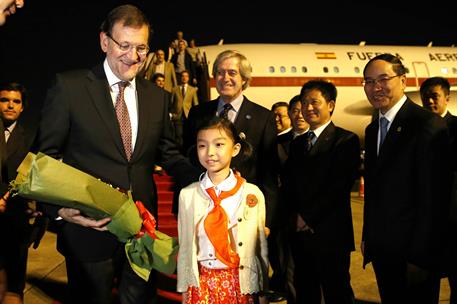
[{"x": 167, "y": 224}]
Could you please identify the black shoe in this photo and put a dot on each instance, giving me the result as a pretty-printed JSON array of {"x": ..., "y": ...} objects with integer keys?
[{"x": 274, "y": 296}]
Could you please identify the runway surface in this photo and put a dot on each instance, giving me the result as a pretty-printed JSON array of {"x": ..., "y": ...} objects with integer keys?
[{"x": 46, "y": 276}]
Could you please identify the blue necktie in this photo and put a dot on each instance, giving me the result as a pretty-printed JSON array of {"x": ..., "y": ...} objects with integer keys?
[
  {"x": 383, "y": 123},
  {"x": 309, "y": 140}
]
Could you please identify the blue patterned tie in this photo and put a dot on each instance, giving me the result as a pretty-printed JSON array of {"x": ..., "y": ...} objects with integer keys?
[
  {"x": 383, "y": 123},
  {"x": 309, "y": 140}
]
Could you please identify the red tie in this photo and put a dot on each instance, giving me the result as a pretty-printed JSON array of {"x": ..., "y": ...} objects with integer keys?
[
  {"x": 123, "y": 118},
  {"x": 216, "y": 226}
]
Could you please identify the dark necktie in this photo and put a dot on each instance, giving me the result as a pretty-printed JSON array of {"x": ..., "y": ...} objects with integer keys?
[
  {"x": 183, "y": 90},
  {"x": 123, "y": 118},
  {"x": 309, "y": 136},
  {"x": 383, "y": 122},
  {"x": 225, "y": 111}
]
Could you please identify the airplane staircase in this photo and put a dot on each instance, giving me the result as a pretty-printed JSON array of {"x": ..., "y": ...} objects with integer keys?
[{"x": 166, "y": 289}]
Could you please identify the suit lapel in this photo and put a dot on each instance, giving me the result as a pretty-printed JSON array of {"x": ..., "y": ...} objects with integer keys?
[
  {"x": 15, "y": 140},
  {"x": 144, "y": 102},
  {"x": 245, "y": 116},
  {"x": 324, "y": 140},
  {"x": 99, "y": 93},
  {"x": 394, "y": 133}
]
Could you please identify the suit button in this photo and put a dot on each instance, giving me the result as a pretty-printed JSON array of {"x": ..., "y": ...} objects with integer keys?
[
  {"x": 240, "y": 244},
  {"x": 241, "y": 267},
  {"x": 240, "y": 219}
]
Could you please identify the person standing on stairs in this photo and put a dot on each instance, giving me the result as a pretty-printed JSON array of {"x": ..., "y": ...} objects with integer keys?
[{"x": 221, "y": 224}]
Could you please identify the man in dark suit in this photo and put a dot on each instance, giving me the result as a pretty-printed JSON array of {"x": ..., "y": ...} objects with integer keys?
[
  {"x": 435, "y": 95},
  {"x": 319, "y": 173},
  {"x": 232, "y": 72},
  {"x": 115, "y": 126},
  {"x": 182, "y": 61},
  {"x": 299, "y": 127},
  {"x": 407, "y": 186},
  {"x": 14, "y": 223}
]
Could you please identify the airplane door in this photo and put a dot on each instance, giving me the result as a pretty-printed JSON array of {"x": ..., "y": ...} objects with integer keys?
[{"x": 420, "y": 70}]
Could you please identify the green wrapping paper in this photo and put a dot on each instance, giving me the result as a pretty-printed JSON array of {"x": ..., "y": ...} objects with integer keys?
[{"x": 46, "y": 179}]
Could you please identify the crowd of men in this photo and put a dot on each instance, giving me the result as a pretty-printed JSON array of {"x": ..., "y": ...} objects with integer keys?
[{"x": 111, "y": 122}]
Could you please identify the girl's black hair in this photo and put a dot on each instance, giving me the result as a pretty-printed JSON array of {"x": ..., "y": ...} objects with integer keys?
[{"x": 216, "y": 122}]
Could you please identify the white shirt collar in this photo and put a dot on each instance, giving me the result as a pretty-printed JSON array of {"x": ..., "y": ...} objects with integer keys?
[
  {"x": 390, "y": 115},
  {"x": 225, "y": 185},
  {"x": 236, "y": 104},
  {"x": 11, "y": 127},
  {"x": 285, "y": 131},
  {"x": 319, "y": 130},
  {"x": 113, "y": 80}
]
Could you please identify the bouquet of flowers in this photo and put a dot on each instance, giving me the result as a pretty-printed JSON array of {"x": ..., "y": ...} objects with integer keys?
[{"x": 46, "y": 179}]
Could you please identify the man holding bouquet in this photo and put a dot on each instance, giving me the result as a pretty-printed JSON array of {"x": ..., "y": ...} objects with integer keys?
[{"x": 115, "y": 126}]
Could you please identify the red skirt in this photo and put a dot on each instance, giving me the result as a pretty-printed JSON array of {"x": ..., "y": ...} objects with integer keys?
[{"x": 218, "y": 286}]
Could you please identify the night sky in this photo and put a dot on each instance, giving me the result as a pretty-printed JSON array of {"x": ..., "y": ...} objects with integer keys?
[{"x": 46, "y": 37}]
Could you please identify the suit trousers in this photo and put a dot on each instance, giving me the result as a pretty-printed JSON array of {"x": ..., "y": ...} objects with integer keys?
[
  {"x": 396, "y": 285},
  {"x": 93, "y": 282},
  {"x": 320, "y": 271}
]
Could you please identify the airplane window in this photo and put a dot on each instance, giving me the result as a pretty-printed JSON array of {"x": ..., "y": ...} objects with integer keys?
[
  {"x": 304, "y": 69},
  {"x": 271, "y": 69},
  {"x": 336, "y": 69},
  {"x": 444, "y": 70},
  {"x": 325, "y": 69},
  {"x": 454, "y": 70},
  {"x": 357, "y": 70},
  {"x": 282, "y": 69},
  {"x": 293, "y": 69}
]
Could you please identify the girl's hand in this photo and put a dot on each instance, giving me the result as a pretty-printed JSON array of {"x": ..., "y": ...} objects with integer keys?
[{"x": 184, "y": 297}]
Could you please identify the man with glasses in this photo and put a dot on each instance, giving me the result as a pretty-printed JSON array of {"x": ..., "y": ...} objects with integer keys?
[
  {"x": 407, "y": 180},
  {"x": 115, "y": 126}
]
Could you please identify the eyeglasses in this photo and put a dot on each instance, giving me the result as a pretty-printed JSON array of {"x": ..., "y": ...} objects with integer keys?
[
  {"x": 126, "y": 47},
  {"x": 381, "y": 80}
]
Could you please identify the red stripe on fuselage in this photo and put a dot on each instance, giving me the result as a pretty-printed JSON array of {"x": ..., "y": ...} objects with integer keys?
[{"x": 337, "y": 81}]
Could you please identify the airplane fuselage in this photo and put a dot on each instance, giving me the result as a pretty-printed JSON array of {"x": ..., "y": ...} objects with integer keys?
[{"x": 279, "y": 71}]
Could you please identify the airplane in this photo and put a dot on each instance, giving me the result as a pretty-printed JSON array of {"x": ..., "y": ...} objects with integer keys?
[{"x": 279, "y": 71}]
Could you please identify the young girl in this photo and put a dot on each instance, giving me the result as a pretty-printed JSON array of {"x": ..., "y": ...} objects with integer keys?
[{"x": 221, "y": 223}]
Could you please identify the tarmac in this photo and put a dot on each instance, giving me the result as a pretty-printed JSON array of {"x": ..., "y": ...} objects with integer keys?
[{"x": 46, "y": 275}]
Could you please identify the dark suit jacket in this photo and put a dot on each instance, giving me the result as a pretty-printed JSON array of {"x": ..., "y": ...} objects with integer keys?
[
  {"x": 258, "y": 125},
  {"x": 283, "y": 146},
  {"x": 16, "y": 219},
  {"x": 451, "y": 122},
  {"x": 319, "y": 184},
  {"x": 189, "y": 64},
  {"x": 407, "y": 187},
  {"x": 79, "y": 125},
  {"x": 2, "y": 154}
]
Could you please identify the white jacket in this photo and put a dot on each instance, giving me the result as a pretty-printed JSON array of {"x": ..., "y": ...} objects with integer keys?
[{"x": 251, "y": 243}]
